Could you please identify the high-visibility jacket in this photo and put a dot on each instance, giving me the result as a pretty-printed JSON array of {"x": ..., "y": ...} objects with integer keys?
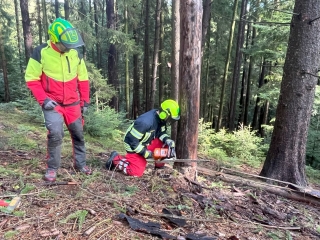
[
  {"x": 62, "y": 77},
  {"x": 145, "y": 128}
]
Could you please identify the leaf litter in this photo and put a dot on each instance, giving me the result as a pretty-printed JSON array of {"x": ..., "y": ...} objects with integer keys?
[{"x": 160, "y": 205}]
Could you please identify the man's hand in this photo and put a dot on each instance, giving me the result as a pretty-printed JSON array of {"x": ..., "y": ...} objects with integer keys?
[
  {"x": 148, "y": 154},
  {"x": 49, "y": 104},
  {"x": 170, "y": 143}
]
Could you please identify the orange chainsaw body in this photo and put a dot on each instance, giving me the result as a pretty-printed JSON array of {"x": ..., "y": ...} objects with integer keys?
[{"x": 160, "y": 153}]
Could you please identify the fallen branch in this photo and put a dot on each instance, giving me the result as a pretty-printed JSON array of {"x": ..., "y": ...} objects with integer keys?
[
  {"x": 70, "y": 175},
  {"x": 93, "y": 227},
  {"x": 28, "y": 194},
  {"x": 179, "y": 217},
  {"x": 299, "y": 188},
  {"x": 282, "y": 191},
  {"x": 264, "y": 225},
  {"x": 58, "y": 183},
  {"x": 197, "y": 183}
]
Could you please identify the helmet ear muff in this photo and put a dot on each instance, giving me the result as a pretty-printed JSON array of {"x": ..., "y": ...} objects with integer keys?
[
  {"x": 53, "y": 38},
  {"x": 164, "y": 114}
]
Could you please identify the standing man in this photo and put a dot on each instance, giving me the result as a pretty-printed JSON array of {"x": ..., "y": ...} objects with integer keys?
[
  {"x": 58, "y": 79},
  {"x": 149, "y": 131}
]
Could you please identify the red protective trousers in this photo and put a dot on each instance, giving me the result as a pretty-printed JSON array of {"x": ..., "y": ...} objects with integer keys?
[{"x": 134, "y": 163}]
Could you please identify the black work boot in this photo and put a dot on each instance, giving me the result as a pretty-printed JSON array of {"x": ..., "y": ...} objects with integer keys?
[{"x": 109, "y": 163}]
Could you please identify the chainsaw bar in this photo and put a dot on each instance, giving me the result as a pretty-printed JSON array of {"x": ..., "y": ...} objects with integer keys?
[{"x": 177, "y": 160}]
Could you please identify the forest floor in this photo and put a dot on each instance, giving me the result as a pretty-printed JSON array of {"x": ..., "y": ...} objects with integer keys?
[{"x": 110, "y": 205}]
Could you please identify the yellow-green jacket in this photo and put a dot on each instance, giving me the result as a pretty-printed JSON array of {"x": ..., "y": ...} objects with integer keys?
[{"x": 62, "y": 77}]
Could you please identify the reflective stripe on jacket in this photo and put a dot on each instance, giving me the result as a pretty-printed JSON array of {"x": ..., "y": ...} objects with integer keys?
[
  {"x": 145, "y": 128},
  {"x": 62, "y": 77}
]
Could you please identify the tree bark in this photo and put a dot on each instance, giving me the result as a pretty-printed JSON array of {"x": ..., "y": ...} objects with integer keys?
[
  {"x": 45, "y": 19},
  {"x": 6, "y": 96},
  {"x": 26, "y": 26},
  {"x": 162, "y": 81},
  {"x": 66, "y": 9},
  {"x": 155, "y": 55},
  {"x": 204, "y": 80},
  {"x": 56, "y": 8},
  {"x": 190, "y": 70},
  {"x": 18, "y": 33},
  {"x": 96, "y": 28},
  {"x": 175, "y": 59},
  {"x": 244, "y": 82},
  {"x": 39, "y": 21},
  {"x": 112, "y": 56},
  {"x": 136, "y": 80},
  {"x": 236, "y": 69},
  {"x": 226, "y": 68},
  {"x": 257, "y": 109},
  {"x": 286, "y": 156},
  {"x": 205, "y": 21},
  {"x": 127, "y": 79},
  {"x": 146, "y": 61}
]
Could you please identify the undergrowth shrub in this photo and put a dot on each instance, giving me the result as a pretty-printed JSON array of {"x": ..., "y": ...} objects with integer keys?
[
  {"x": 242, "y": 145},
  {"x": 105, "y": 123},
  {"x": 313, "y": 174},
  {"x": 31, "y": 108}
]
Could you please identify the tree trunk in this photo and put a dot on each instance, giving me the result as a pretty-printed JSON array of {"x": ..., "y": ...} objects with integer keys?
[
  {"x": 18, "y": 33},
  {"x": 205, "y": 79},
  {"x": 264, "y": 117},
  {"x": 155, "y": 55},
  {"x": 286, "y": 156},
  {"x": 161, "y": 61},
  {"x": 146, "y": 63},
  {"x": 83, "y": 13},
  {"x": 244, "y": 82},
  {"x": 39, "y": 21},
  {"x": 249, "y": 82},
  {"x": 26, "y": 26},
  {"x": 226, "y": 68},
  {"x": 205, "y": 25},
  {"x": 56, "y": 8},
  {"x": 66, "y": 9},
  {"x": 136, "y": 81},
  {"x": 175, "y": 59},
  {"x": 237, "y": 66},
  {"x": 112, "y": 56},
  {"x": 45, "y": 19},
  {"x": 190, "y": 70},
  {"x": 96, "y": 28},
  {"x": 127, "y": 79},
  {"x": 205, "y": 21},
  {"x": 264, "y": 111},
  {"x": 257, "y": 109},
  {"x": 255, "y": 17},
  {"x": 6, "y": 97}
]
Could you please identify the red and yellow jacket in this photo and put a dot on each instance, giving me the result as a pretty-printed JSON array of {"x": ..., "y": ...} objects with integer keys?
[{"x": 62, "y": 77}]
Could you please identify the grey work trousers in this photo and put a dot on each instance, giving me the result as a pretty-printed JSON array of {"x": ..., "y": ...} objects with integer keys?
[{"x": 54, "y": 120}]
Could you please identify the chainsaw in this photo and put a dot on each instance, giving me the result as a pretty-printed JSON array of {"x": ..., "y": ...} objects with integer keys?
[{"x": 168, "y": 155}]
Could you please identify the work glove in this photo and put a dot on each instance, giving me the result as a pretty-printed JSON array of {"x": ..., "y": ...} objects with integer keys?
[
  {"x": 84, "y": 110},
  {"x": 148, "y": 154},
  {"x": 170, "y": 143},
  {"x": 49, "y": 104}
]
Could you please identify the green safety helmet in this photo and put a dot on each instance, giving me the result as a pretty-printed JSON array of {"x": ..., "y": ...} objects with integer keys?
[
  {"x": 63, "y": 31},
  {"x": 169, "y": 108}
]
